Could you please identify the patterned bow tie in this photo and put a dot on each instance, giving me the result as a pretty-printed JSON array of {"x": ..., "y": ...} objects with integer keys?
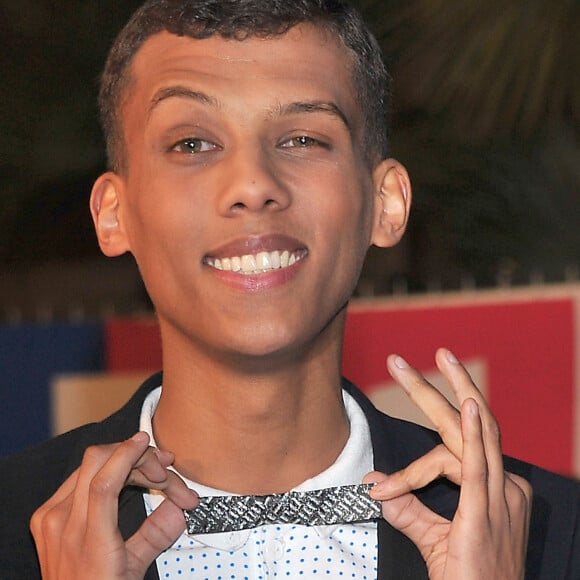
[{"x": 334, "y": 505}]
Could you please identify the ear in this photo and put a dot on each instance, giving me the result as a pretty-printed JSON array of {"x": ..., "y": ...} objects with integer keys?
[
  {"x": 392, "y": 203},
  {"x": 105, "y": 206}
]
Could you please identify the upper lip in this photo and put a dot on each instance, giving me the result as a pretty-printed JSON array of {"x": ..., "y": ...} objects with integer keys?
[{"x": 256, "y": 244}]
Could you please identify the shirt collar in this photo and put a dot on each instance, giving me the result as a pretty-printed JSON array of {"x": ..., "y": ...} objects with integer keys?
[{"x": 353, "y": 463}]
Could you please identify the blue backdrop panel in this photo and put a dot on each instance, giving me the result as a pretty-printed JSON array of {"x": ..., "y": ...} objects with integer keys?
[{"x": 30, "y": 355}]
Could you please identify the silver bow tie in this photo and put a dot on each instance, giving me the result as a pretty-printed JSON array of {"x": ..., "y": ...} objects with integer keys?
[{"x": 334, "y": 505}]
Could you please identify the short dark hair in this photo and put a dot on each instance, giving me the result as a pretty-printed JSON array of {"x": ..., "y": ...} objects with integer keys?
[{"x": 240, "y": 19}]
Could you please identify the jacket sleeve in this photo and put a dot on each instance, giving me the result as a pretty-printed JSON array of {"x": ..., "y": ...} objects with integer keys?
[{"x": 554, "y": 543}]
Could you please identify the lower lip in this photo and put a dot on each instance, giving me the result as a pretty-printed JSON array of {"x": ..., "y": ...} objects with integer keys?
[{"x": 257, "y": 282}]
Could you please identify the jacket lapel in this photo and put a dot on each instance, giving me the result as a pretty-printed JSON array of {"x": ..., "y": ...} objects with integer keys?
[{"x": 399, "y": 559}]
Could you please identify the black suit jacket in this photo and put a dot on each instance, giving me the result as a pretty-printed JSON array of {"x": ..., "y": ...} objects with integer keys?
[{"x": 32, "y": 476}]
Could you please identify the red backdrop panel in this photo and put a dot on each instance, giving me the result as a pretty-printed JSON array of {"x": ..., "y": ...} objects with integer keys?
[
  {"x": 528, "y": 348},
  {"x": 132, "y": 344}
]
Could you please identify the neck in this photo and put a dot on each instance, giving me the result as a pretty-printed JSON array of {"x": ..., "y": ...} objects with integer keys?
[{"x": 250, "y": 431}]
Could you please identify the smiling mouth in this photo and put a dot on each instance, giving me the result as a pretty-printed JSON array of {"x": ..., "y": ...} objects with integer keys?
[{"x": 259, "y": 263}]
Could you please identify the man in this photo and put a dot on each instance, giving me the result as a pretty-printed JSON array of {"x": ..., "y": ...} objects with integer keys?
[{"x": 249, "y": 175}]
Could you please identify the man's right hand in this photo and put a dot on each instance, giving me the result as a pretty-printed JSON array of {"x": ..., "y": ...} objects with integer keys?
[{"x": 76, "y": 531}]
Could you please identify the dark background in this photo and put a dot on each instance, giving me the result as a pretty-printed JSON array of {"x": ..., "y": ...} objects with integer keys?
[{"x": 487, "y": 111}]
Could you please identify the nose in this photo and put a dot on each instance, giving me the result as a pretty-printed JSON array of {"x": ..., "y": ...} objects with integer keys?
[{"x": 252, "y": 183}]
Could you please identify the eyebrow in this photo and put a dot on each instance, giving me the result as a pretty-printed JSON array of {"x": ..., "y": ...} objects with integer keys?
[
  {"x": 297, "y": 107},
  {"x": 182, "y": 92},
  {"x": 327, "y": 107}
]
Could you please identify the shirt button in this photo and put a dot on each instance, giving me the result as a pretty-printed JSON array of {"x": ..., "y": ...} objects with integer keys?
[{"x": 275, "y": 549}]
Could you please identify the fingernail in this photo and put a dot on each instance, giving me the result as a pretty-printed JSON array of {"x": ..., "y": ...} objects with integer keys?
[
  {"x": 140, "y": 436},
  {"x": 166, "y": 457},
  {"x": 451, "y": 358},
  {"x": 401, "y": 363},
  {"x": 472, "y": 407},
  {"x": 380, "y": 489}
]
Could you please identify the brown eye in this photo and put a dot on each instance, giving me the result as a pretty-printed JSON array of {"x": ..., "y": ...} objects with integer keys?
[
  {"x": 302, "y": 141},
  {"x": 192, "y": 145}
]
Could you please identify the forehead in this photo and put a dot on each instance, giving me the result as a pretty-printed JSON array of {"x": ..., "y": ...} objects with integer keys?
[{"x": 307, "y": 62}]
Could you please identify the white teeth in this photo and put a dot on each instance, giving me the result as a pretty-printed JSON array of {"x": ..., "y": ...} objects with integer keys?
[
  {"x": 284, "y": 257},
  {"x": 257, "y": 263},
  {"x": 248, "y": 263},
  {"x": 263, "y": 261}
]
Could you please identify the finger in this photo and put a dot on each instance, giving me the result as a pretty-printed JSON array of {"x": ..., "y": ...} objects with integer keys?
[
  {"x": 524, "y": 486},
  {"x": 177, "y": 491},
  {"x": 458, "y": 377},
  {"x": 49, "y": 519},
  {"x": 48, "y": 523},
  {"x": 464, "y": 387},
  {"x": 94, "y": 458},
  {"x": 473, "y": 495},
  {"x": 438, "y": 462},
  {"x": 103, "y": 485},
  {"x": 519, "y": 495},
  {"x": 423, "y": 527},
  {"x": 159, "y": 531},
  {"x": 151, "y": 472},
  {"x": 374, "y": 477},
  {"x": 436, "y": 407},
  {"x": 172, "y": 486},
  {"x": 153, "y": 465}
]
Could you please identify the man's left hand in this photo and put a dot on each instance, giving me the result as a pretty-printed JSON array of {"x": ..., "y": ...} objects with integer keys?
[{"x": 487, "y": 538}]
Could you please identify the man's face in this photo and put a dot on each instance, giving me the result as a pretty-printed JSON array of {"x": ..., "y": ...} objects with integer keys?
[{"x": 246, "y": 202}]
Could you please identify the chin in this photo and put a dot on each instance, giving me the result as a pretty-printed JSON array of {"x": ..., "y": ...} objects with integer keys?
[
  {"x": 263, "y": 347},
  {"x": 278, "y": 348}
]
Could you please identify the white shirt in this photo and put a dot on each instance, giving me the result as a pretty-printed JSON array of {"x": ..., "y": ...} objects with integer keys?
[{"x": 285, "y": 550}]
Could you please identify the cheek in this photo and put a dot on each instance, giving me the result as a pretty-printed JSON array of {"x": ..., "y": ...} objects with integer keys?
[
  {"x": 356, "y": 235},
  {"x": 349, "y": 216},
  {"x": 163, "y": 221}
]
